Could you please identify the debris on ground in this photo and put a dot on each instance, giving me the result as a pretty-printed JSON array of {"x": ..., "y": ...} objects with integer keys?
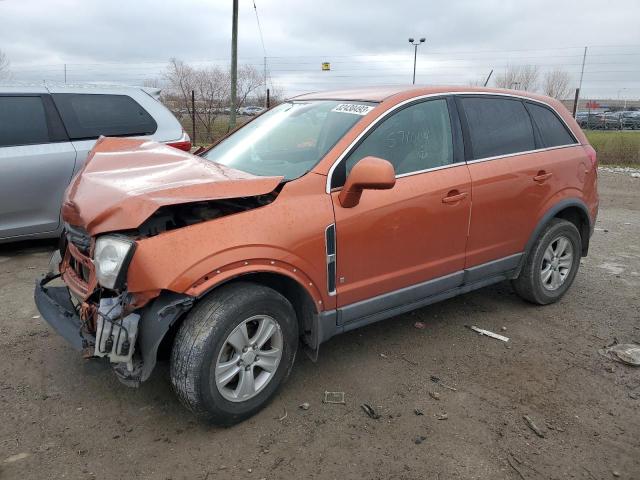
[
  {"x": 284, "y": 416},
  {"x": 16, "y": 457},
  {"x": 333, "y": 397},
  {"x": 531, "y": 424},
  {"x": 503, "y": 329},
  {"x": 383, "y": 355},
  {"x": 304, "y": 406},
  {"x": 434, "y": 395},
  {"x": 419, "y": 325},
  {"x": 36, "y": 316},
  {"x": 627, "y": 353},
  {"x": 368, "y": 409},
  {"x": 437, "y": 380},
  {"x": 418, "y": 411},
  {"x": 488, "y": 333},
  {"x": 443, "y": 416},
  {"x": 419, "y": 439}
]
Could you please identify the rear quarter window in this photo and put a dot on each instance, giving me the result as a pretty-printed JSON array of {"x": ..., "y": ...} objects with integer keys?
[
  {"x": 553, "y": 132},
  {"x": 497, "y": 126},
  {"x": 22, "y": 121},
  {"x": 88, "y": 116}
]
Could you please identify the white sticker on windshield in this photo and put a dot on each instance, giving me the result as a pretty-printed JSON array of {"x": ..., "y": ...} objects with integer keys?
[{"x": 354, "y": 108}]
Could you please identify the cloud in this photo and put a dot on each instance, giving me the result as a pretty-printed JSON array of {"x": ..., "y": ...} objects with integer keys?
[{"x": 366, "y": 41}]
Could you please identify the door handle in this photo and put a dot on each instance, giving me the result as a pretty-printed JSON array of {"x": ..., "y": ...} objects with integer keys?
[
  {"x": 454, "y": 196},
  {"x": 542, "y": 176}
]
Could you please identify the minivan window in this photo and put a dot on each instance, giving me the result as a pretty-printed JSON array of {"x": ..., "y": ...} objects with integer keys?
[
  {"x": 497, "y": 126},
  {"x": 88, "y": 116},
  {"x": 22, "y": 121},
  {"x": 415, "y": 138},
  {"x": 290, "y": 139},
  {"x": 552, "y": 130}
]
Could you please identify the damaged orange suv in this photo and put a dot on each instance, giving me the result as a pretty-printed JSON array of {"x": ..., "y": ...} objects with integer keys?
[{"x": 326, "y": 213}]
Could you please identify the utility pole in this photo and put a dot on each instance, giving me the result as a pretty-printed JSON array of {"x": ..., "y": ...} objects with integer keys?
[
  {"x": 265, "y": 77},
  {"x": 415, "y": 55},
  {"x": 575, "y": 102},
  {"x": 234, "y": 66}
]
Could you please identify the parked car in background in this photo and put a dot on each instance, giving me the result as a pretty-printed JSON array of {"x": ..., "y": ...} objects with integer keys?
[
  {"x": 630, "y": 120},
  {"x": 329, "y": 212},
  {"x": 251, "y": 110},
  {"x": 46, "y": 133}
]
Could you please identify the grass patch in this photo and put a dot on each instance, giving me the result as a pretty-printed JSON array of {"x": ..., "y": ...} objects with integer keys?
[{"x": 616, "y": 147}]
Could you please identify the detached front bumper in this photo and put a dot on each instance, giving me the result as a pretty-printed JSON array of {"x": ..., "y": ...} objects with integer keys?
[{"x": 56, "y": 308}]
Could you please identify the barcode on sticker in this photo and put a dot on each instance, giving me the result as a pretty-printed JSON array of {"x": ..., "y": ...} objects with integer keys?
[{"x": 354, "y": 108}]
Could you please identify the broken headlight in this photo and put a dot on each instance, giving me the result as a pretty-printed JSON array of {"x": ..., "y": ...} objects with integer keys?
[{"x": 111, "y": 258}]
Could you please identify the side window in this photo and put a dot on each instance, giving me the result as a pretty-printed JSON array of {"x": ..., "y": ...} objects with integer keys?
[
  {"x": 415, "y": 138},
  {"x": 497, "y": 126},
  {"x": 22, "y": 121},
  {"x": 554, "y": 133},
  {"x": 91, "y": 115}
]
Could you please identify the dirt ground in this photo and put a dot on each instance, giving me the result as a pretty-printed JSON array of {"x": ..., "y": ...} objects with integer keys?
[{"x": 61, "y": 417}]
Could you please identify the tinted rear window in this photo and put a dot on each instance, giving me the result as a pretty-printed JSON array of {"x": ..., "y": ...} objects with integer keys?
[
  {"x": 22, "y": 121},
  {"x": 498, "y": 126},
  {"x": 552, "y": 130},
  {"x": 91, "y": 115}
]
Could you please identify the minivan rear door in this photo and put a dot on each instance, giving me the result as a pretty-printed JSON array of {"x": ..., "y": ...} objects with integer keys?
[
  {"x": 87, "y": 116},
  {"x": 36, "y": 164}
]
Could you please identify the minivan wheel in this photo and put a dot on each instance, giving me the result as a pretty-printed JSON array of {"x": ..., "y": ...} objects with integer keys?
[
  {"x": 551, "y": 265},
  {"x": 233, "y": 351}
]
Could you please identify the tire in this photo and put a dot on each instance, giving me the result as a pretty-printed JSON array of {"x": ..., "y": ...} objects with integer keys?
[
  {"x": 535, "y": 284},
  {"x": 204, "y": 342}
]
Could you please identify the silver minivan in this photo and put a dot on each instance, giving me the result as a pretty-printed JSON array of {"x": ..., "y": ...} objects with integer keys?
[{"x": 46, "y": 133}]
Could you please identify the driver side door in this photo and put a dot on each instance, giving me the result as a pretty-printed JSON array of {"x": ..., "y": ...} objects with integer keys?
[{"x": 401, "y": 245}]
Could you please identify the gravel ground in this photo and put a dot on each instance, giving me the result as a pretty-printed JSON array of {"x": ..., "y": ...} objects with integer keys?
[{"x": 62, "y": 417}]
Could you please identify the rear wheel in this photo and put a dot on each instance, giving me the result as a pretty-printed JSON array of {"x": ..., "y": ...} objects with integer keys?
[
  {"x": 551, "y": 265},
  {"x": 233, "y": 351}
]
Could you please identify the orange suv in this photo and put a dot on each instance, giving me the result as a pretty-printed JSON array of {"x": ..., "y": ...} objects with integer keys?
[{"x": 324, "y": 214}]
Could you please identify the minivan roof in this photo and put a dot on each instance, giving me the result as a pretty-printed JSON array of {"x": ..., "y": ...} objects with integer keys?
[
  {"x": 56, "y": 87},
  {"x": 381, "y": 93}
]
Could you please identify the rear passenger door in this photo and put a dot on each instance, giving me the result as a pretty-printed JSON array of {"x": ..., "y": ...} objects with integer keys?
[
  {"x": 87, "y": 116},
  {"x": 513, "y": 173},
  {"x": 36, "y": 164}
]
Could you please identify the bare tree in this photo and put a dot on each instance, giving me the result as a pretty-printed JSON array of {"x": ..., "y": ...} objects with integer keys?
[
  {"x": 556, "y": 84},
  {"x": 249, "y": 81},
  {"x": 4, "y": 66},
  {"x": 519, "y": 77}
]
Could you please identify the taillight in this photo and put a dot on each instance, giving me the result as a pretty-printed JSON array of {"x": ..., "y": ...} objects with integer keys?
[
  {"x": 183, "y": 143},
  {"x": 592, "y": 155}
]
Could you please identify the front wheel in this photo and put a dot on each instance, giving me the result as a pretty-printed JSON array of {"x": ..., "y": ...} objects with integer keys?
[
  {"x": 551, "y": 265},
  {"x": 233, "y": 351}
]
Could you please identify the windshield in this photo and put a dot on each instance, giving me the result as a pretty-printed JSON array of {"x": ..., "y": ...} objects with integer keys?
[{"x": 290, "y": 139}]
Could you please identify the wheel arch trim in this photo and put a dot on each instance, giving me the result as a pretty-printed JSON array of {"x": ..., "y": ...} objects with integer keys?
[{"x": 552, "y": 213}]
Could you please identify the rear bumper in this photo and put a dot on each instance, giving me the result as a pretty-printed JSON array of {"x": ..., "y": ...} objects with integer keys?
[{"x": 56, "y": 308}]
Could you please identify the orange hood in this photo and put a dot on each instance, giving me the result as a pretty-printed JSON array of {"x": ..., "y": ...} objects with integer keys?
[{"x": 124, "y": 181}]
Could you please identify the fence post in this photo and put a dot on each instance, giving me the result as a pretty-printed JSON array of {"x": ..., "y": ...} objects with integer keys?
[
  {"x": 575, "y": 102},
  {"x": 268, "y": 100},
  {"x": 193, "y": 117}
]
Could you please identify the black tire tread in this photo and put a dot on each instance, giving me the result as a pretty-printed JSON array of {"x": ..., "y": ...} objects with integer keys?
[
  {"x": 194, "y": 334},
  {"x": 525, "y": 285}
]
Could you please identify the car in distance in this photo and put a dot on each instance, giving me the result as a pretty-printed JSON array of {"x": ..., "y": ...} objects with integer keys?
[
  {"x": 329, "y": 212},
  {"x": 46, "y": 134}
]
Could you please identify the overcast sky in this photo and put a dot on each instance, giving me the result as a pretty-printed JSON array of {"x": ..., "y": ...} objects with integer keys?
[{"x": 365, "y": 41}]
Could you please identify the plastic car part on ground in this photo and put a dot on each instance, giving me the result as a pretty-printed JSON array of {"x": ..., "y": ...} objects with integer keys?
[{"x": 628, "y": 353}]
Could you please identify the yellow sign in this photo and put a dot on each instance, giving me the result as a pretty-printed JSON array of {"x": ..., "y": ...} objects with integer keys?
[{"x": 326, "y": 66}]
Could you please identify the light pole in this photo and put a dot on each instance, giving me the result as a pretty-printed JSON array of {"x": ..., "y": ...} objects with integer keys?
[{"x": 415, "y": 54}]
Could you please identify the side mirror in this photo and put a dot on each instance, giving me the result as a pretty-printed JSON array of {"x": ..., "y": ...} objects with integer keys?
[{"x": 370, "y": 173}]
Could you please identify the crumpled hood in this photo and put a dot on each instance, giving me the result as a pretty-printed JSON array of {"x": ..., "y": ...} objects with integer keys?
[{"x": 124, "y": 181}]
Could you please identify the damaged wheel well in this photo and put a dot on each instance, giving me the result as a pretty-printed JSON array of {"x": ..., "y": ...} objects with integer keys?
[{"x": 303, "y": 304}]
